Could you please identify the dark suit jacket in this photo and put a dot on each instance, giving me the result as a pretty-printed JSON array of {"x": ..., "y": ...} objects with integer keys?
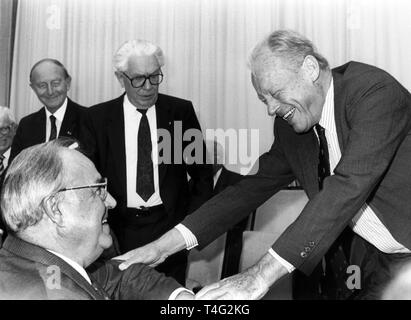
[
  {"x": 32, "y": 128},
  {"x": 105, "y": 143},
  {"x": 31, "y": 272},
  {"x": 373, "y": 121}
]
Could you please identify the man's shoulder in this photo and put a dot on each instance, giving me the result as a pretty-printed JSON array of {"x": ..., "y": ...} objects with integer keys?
[
  {"x": 355, "y": 71},
  {"x": 32, "y": 116},
  {"x": 173, "y": 102},
  {"x": 75, "y": 106},
  {"x": 20, "y": 278},
  {"x": 105, "y": 105}
]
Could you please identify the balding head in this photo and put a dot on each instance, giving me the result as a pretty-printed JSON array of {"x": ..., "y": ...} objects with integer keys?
[{"x": 50, "y": 81}]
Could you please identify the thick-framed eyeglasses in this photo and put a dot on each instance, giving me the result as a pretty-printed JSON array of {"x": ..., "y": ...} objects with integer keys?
[
  {"x": 5, "y": 130},
  {"x": 101, "y": 188},
  {"x": 140, "y": 81}
]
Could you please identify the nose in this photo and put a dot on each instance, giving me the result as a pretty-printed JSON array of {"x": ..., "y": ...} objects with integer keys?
[
  {"x": 49, "y": 89},
  {"x": 110, "y": 202},
  {"x": 272, "y": 108},
  {"x": 147, "y": 85}
]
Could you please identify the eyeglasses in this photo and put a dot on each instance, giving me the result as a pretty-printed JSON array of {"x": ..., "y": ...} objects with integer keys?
[
  {"x": 101, "y": 188},
  {"x": 140, "y": 81},
  {"x": 5, "y": 130}
]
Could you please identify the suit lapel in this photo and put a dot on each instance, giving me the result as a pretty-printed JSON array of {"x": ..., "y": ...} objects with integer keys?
[
  {"x": 339, "y": 110},
  {"x": 164, "y": 121},
  {"x": 116, "y": 138},
  {"x": 42, "y": 256},
  {"x": 308, "y": 151},
  {"x": 39, "y": 127},
  {"x": 69, "y": 122}
]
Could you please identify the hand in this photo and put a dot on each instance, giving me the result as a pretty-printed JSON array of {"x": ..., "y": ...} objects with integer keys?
[
  {"x": 243, "y": 286},
  {"x": 250, "y": 285},
  {"x": 155, "y": 252},
  {"x": 185, "y": 295},
  {"x": 149, "y": 254}
]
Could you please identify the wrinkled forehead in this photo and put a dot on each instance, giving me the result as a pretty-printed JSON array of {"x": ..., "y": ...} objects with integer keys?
[
  {"x": 78, "y": 168},
  {"x": 47, "y": 70},
  {"x": 145, "y": 64}
]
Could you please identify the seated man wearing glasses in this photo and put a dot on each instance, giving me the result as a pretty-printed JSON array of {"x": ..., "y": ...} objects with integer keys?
[
  {"x": 147, "y": 172},
  {"x": 55, "y": 205}
]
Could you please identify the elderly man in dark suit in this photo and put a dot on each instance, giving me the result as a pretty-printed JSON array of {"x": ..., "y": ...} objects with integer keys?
[
  {"x": 60, "y": 116},
  {"x": 7, "y": 131},
  {"x": 345, "y": 135},
  {"x": 55, "y": 205},
  {"x": 147, "y": 171}
]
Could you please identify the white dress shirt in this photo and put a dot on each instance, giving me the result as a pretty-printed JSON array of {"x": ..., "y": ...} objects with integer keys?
[
  {"x": 73, "y": 264},
  {"x": 6, "y": 158},
  {"x": 132, "y": 119},
  {"x": 59, "y": 114}
]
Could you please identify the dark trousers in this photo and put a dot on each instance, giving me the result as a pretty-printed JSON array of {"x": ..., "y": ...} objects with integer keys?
[
  {"x": 377, "y": 268},
  {"x": 134, "y": 231}
]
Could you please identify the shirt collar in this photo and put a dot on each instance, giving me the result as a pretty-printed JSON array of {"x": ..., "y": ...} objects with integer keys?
[
  {"x": 73, "y": 264},
  {"x": 59, "y": 114},
  {"x": 6, "y": 156},
  {"x": 327, "y": 114},
  {"x": 131, "y": 107}
]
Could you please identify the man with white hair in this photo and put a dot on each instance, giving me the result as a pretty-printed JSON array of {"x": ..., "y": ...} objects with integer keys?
[
  {"x": 55, "y": 205},
  {"x": 147, "y": 175},
  {"x": 7, "y": 131}
]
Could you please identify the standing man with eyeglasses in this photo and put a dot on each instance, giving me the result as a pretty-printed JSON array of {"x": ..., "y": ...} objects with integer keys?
[
  {"x": 126, "y": 147},
  {"x": 60, "y": 116},
  {"x": 7, "y": 131}
]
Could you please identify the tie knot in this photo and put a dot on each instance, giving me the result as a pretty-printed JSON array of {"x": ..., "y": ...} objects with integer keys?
[
  {"x": 319, "y": 129},
  {"x": 53, "y": 119},
  {"x": 142, "y": 111}
]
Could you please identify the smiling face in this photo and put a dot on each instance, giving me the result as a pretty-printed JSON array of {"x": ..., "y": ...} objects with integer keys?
[
  {"x": 50, "y": 84},
  {"x": 145, "y": 96},
  {"x": 7, "y": 132},
  {"x": 291, "y": 93},
  {"x": 85, "y": 212}
]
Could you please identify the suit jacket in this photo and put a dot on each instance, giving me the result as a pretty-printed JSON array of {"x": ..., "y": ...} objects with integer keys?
[
  {"x": 226, "y": 178},
  {"x": 373, "y": 121},
  {"x": 31, "y": 272},
  {"x": 105, "y": 143},
  {"x": 32, "y": 128}
]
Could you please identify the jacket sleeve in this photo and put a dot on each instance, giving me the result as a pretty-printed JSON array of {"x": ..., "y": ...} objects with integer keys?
[
  {"x": 236, "y": 202},
  {"x": 138, "y": 282}
]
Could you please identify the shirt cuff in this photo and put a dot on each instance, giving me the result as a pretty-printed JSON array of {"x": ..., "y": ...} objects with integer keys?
[
  {"x": 189, "y": 237},
  {"x": 284, "y": 263},
  {"x": 177, "y": 291}
]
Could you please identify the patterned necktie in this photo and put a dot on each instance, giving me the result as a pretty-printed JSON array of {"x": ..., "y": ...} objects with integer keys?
[
  {"x": 324, "y": 162},
  {"x": 334, "y": 263},
  {"x": 53, "y": 131},
  {"x": 1, "y": 164},
  {"x": 145, "y": 174}
]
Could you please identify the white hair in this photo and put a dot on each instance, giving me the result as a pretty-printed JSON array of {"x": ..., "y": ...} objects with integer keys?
[
  {"x": 136, "y": 48},
  {"x": 5, "y": 112}
]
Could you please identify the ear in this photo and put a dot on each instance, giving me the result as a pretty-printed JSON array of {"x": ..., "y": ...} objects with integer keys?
[
  {"x": 68, "y": 83},
  {"x": 51, "y": 207},
  {"x": 311, "y": 68},
  {"x": 120, "y": 78}
]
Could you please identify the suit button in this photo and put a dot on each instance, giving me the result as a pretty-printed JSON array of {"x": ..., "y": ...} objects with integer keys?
[
  {"x": 303, "y": 254},
  {"x": 307, "y": 249},
  {"x": 311, "y": 243}
]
